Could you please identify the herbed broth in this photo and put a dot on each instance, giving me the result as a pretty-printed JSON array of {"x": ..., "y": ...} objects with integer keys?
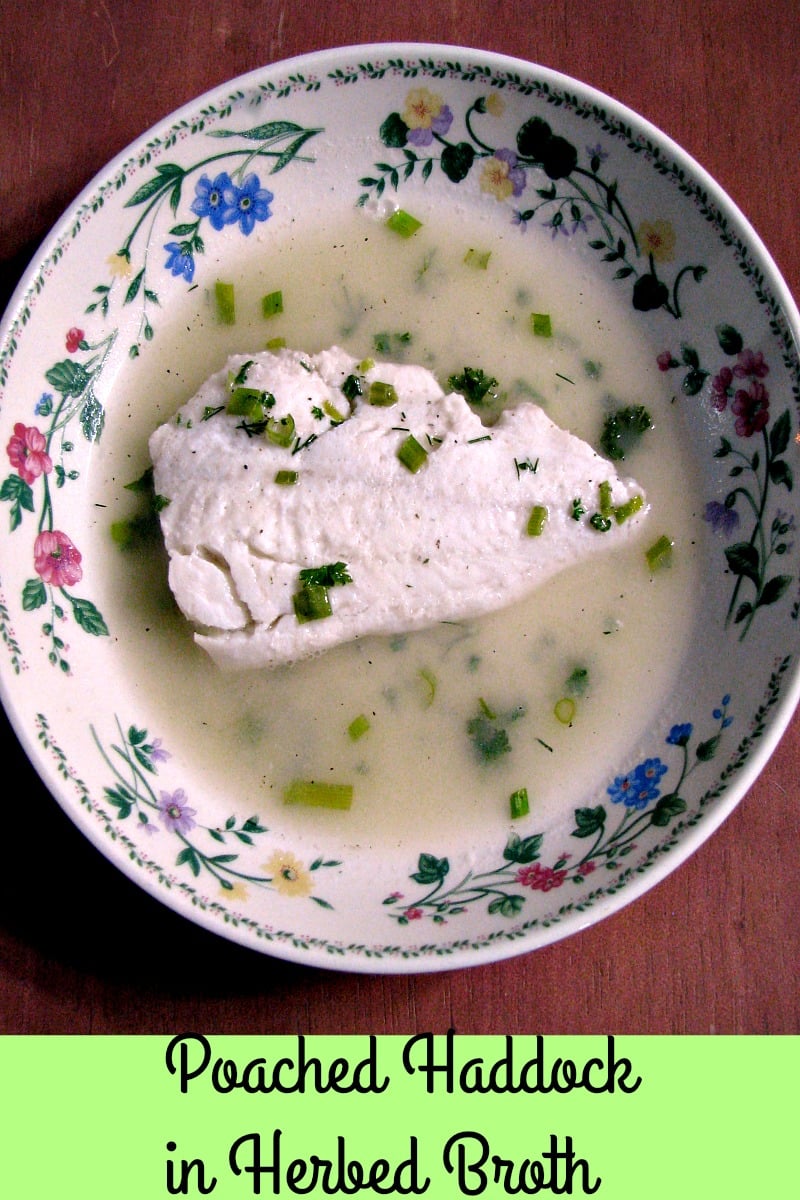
[{"x": 460, "y": 715}]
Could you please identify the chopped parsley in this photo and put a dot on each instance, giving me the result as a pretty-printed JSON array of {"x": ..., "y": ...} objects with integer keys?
[
  {"x": 311, "y": 602},
  {"x": 144, "y": 526},
  {"x": 353, "y": 387},
  {"x": 474, "y": 385},
  {"x": 487, "y": 731},
  {"x": 622, "y": 430},
  {"x": 329, "y": 575}
]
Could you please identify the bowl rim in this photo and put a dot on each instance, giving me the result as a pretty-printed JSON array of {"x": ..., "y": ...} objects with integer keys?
[{"x": 737, "y": 788}]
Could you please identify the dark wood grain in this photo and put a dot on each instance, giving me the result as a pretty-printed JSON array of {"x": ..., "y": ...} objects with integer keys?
[{"x": 713, "y": 948}]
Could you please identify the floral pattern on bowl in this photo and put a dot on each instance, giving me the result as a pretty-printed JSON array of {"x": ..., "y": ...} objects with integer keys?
[{"x": 536, "y": 150}]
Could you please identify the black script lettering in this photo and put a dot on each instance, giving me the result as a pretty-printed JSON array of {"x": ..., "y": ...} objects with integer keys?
[
  {"x": 334, "y": 1175},
  {"x": 436, "y": 1060},
  {"x": 253, "y": 1164},
  {"x": 468, "y": 1156},
  {"x": 186, "y": 1168},
  {"x": 190, "y": 1056}
]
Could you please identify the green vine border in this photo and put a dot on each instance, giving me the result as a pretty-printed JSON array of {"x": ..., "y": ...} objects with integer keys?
[{"x": 339, "y": 951}]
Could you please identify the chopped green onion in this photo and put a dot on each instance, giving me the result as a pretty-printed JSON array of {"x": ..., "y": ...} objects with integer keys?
[
  {"x": 276, "y": 343},
  {"x": 592, "y": 369},
  {"x": 280, "y": 430},
  {"x": 606, "y": 507},
  {"x": 123, "y": 533},
  {"x": 541, "y": 324},
  {"x": 246, "y": 402},
  {"x": 411, "y": 454},
  {"x": 478, "y": 259},
  {"x": 429, "y": 679},
  {"x": 332, "y": 411},
  {"x": 578, "y": 509},
  {"x": 312, "y": 603},
  {"x": 318, "y": 794},
  {"x": 660, "y": 553},
  {"x": 382, "y": 343},
  {"x": 226, "y": 302},
  {"x": 272, "y": 304},
  {"x": 537, "y": 520},
  {"x": 518, "y": 803},
  {"x": 623, "y": 511},
  {"x": 382, "y": 395},
  {"x": 403, "y": 223},
  {"x": 358, "y": 727},
  {"x": 565, "y": 710},
  {"x": 365, "y": 365},
  {"x": 286, "y": 478}
]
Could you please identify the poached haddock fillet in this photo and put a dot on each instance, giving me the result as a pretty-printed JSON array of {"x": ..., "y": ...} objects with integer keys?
[{"x": 312, "y": 500}]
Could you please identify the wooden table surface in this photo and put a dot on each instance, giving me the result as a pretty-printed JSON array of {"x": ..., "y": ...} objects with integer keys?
[{"x": 713, "y": 948}]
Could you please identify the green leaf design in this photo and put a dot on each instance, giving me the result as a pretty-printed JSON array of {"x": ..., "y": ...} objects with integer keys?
[
  {"x": 430, "y": 869},
  {"x": 730, "y": 339},
  {"x": 394, "y": 131},
  {"x": 188, "y": 857},
  {"x": 457, "y": 161},
  {"x": 774, "y": 588},
  {"x": 122, "y": 800},
  {"x": 133, "y": 287},
  {"x": 779, "y": 434},
  {"x": 743, "y": 559},
  {"x": 781, "y": 473},
  {"x": 507, "y": 906},
  {"x": 270, "y": 131},
  {"x": 523, "y": 850},
  {"x": 292, "y": 150},
  {"x": 88, "y": 617},
  {"x": 68, "y": 377},
  {"x": 667, "y": 807},
  {"x": 589, "y": 821},
  {"x": 34, "y": 595},
  {"x": 693, "y": 382},
  {"x": 19, "y": 494},
  {"x": 166, "y": 175},
  {"x": 706, "y": 750},
  {"x": 92, "y": 419}
]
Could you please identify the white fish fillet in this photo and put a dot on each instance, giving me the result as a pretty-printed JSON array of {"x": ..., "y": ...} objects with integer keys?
[{"x": 449, "y": 542}]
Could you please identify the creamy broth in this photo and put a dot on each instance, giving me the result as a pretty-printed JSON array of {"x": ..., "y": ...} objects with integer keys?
[{"x": 417, "y": 771}]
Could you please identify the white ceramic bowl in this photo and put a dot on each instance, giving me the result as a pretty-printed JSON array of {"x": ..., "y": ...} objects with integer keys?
[{"x": 97, "y": 327}]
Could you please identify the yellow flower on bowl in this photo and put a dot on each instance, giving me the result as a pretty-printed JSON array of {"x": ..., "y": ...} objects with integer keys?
[
  {"x": 422, "y": 108},
  {"x": 657, "y": 239},
  {"x": 119, "y": 265},
  {"x": 288, "y": 874}
]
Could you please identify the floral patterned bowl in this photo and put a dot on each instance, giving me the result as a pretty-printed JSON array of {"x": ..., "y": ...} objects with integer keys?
[{"x": 360, "y": 127}]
